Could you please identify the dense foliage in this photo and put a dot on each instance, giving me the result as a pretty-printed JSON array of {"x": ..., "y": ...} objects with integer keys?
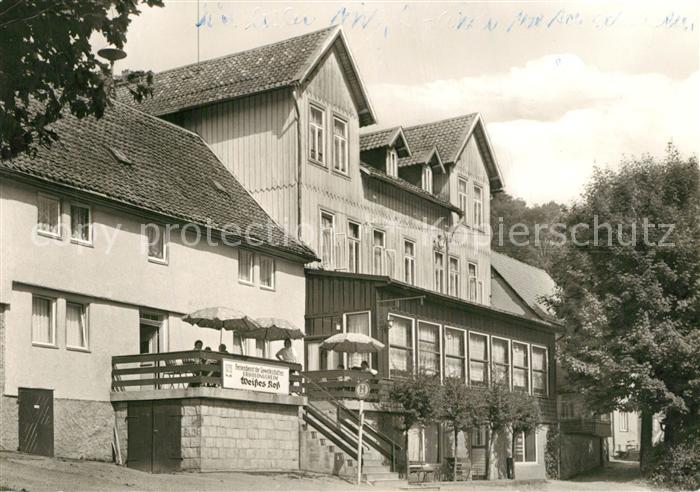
[
  {"x": 629, "y": 295},
  {"x": 676, "y": 466},
  {"x": 527, "y": 242},
  {"x": 47, "y": 65}
]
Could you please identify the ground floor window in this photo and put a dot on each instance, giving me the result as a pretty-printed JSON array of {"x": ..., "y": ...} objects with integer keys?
[
  {"x": 526, "y": 447},
  {"x": 358, "y": 323}
]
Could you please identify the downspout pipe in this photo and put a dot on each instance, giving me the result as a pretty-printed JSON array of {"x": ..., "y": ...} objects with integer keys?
[{"x": 297, "y": 112}]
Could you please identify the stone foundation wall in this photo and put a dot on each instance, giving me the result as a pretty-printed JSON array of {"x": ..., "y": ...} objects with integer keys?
[
  {"x": 224, "y": 435},
  {"x": 579, "y": 453}
]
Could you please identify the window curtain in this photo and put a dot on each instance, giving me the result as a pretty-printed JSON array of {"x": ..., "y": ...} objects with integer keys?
[
  {"x": 358, "y": 323},
  {"x": 75, "y": 326},
  {"x": 400, "y": 359},
  {"x": 42, "y": 331}
]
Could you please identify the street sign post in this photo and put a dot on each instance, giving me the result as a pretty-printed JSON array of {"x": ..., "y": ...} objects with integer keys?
[{"x": 362, "y": 392}]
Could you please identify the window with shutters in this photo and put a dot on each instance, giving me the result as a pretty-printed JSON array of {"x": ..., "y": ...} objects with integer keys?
[
  {"x": 478, "y": 359},
  {"x": 327, "y": 239},
  {"x": 409, "y": 262},
  {"x": 48, "y": 215},
  {"x": 429, "y": 348},
  {"x": 521, "y": 367},
  {"x": 340, "y": 145},
  {"x": 76, "y": 326},
  {"x": 455, "y": 353},
  {"x": 43, "y": 321},
  {"x": 317, "y": 143},
  {"x": 378, "y": 251},
  {"x": 354, "y": 247}
]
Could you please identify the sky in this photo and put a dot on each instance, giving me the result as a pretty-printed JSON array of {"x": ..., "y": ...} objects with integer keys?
[{"x": 562, "y": 86}]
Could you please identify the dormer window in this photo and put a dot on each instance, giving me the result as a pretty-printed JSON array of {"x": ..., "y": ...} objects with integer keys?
[
  {"x": 392, "y": 163},
  {"x": 427, "y": 179}
]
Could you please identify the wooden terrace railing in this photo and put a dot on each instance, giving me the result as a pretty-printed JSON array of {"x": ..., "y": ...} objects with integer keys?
[
  {"x": 185, "y": 369},
  {"x": 340, "y": 384}
]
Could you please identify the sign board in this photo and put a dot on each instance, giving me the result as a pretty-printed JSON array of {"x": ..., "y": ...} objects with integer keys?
[
  {"x": 362, "y": 390},
  {"x": 255, "y": 376}
]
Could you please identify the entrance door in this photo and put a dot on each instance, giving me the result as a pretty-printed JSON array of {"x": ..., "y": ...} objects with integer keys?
[
  {"x": 154, "y": 436},
  {"x": 36, "y": 421}
]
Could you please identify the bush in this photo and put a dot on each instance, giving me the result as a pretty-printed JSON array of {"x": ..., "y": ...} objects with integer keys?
[
  {"x": 676, "y": 467},
  {"x": 551, "y": 454}
]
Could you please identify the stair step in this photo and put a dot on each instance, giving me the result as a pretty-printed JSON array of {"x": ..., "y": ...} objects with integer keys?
[{"x": 381, "y": 476}]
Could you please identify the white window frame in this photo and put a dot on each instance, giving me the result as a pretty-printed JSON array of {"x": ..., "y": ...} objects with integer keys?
[
  {"x": 43, "y": 232},
  {"x": 440, "y": 347},
  {"x": 537, "y": 457},
  {"x": 427, "y": 178},
  {"x": 472, "y": 296},
  {"x": 463, "y": 197},
  {"x": 163, "y": 231},
  {"x": 439, "y": 272},
  {"x": 331, "y": 247},
  {"x": 76, "y": 240},
  {"x": 409, "y": 260},
  {"x": 413, "y": 341},
  {"x": 487, "y": 376},
  {"x": 465, "y": 343},
  {"x": 318, "y": 134},
  {"x": 529, "y": 364},
  {"x": 478, "y": 206},
  {"x": 262, "y": 258},
  {"x": 52, "y": 302},
  {"x": 382, "y": 251},
  {"x": 368, "y": 312},
  {"x": 354, "y": 248},
  {"x": 86, "y": 326},
  {"x": 457, "y": 274},
  {"x": 624, "y": 417},
  {"x": 343, "y": 139},
  {"x": 546, "y": 369},
  {"x": 251, "y": 269},
  {"x": 392, "y": 163},
  {"x": 509, "y": 351}
]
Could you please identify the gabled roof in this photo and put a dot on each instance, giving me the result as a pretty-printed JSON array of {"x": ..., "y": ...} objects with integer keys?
[
  {"x": 451, "y": 136},
  {"x": 404, "y": 185},
  {"x": 530, "y": 283},
  {"x": 273, "y": 66},
  {"x": 389, "y": 137},
  {"x": 133, "y": 160}
]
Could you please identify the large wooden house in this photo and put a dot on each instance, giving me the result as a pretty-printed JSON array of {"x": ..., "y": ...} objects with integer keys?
[{"x": 398, "y": 217}]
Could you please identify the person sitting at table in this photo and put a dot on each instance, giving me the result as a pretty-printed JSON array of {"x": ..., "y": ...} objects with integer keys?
[
  {"x": 287, "y": 353},
  {"x": 197, "y": 346},
  {"x": 365, "y": 367}
]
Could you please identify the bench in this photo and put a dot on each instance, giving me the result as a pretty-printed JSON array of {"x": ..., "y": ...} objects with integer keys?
[{"x": 424, "y": 469}]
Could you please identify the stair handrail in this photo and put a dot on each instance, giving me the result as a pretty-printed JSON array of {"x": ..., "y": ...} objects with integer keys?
[{"x": 368, "y": 428}]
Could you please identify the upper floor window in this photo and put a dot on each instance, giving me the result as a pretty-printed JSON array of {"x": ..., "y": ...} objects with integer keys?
[
  {"x": 392, "y": 163},
  {"x": 539, "y": 370},
  {"x": 439, "y": 270},
  {"x": 400, "y": 344},
  {"x": 500, "y": 354},
  {"x": 246, "y": 265},
  {"x": 624, "y": 421},
  {"x": 340, "y": 145},
  {"x": 427, "y": 178},
  {"x": 49, "y": 215},
  {"x": 521, "y": 367},
  {"x": 409, "y": 262},
  {"x": 354, "y": 242},
  {"x": 317, "y": 143},
  {"x": 478, "y": 206},
  {"x": 327, "y": 238},
  {"x": 157, "y": 243},
  {"x": 473, "y": 281},
  {"x": 378, "y": 251},
  {"x": 463, "y": 197},
  {"x": 43, "y": 321},
  {"x": 267, "y": 272},
  {"x": 428, "y": 348},
  {"x": 81, "y": 223},
  {"x": 478, "y": 359},
  {"x": 76, "y": 326},
  {"x": 454, "y": 276},
  {"x": 455, "y": 353}
]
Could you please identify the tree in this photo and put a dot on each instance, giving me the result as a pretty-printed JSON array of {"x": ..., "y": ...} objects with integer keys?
[
  {"x": 629, "y": 293},
  {"x": 534, "y": 247},
  {"x": 458, "y": 406},
  {"x": 525, "y": 416},
  {"x": 496, "y": 415},
  {"x": 415, "y": 396},
  {"x": 47, "y": 65}
]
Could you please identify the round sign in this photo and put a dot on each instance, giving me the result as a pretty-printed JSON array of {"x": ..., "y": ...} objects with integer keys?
[{"x": 362, "y": 390}]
